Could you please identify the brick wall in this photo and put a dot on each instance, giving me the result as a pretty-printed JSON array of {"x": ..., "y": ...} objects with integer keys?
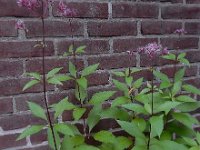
[{"x": 109, "y": 28}]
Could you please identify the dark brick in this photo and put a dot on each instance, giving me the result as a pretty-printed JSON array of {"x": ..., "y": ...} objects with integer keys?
[
  {"x": 192, "y": 28},
  {"x": 11, "y": 68},
  {"x": 7, "y": 28},
  {"x": 115, "y": 28},
  {"x": 165, "y": 1},
  {"x": 39, "y": 137},
  {"x": 15, "y": 49},
  {"x": 181, "y": 12},
  {"x": 85, "y": 9},
  {"x": 9, "y": 141},
  {"x": 135, "y": 10},
  {"x": 180, "y": 43},
  {"x": 97, "y": 46},
  {"x": 131, "y": 44},
  {"x": 159, "y": 27},
  {"x": 193, "y": 1},
  {"x": 113, "y": 61},
  {"x": 6, "y": 105},
  {"x": 54, "y": 28}
]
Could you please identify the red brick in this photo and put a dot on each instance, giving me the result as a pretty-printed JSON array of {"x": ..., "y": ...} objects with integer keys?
[
  {"x": 181, "y": 12},
  {"x": 85, "y": 9},
  {"x": 15, "y": 86},
  {"x": 17, "y": 121},
  {"x": 7, "y": 28},
  {"x": 193, "y": 56},
  {"x": 35, "y": 65},
  {"x": 11, "y": 68},
  {"x": 165, "y": 1},
  {"x": 10, "y": 8},
  {"x": 193, "y": 1},
  {"x": 39, "y": 137},
  {"x": 54, "y": 28},
  {"x": 115, "y": 28},
  {"x": 159, "y": 27},
  {"x": 15, "y": 49},
  {"x": 131, "y": 44},
  {"x": 6, "y": 105},
  {"x": 106, "y": 124},
  {"x": 191, "y": 71},
  {"x": 192, "y": 28},
  {"x": 9, "y": 141},
  {"x": 135, "y": 10},
  {"x": 113, "y": 61},
  {"x": 97, "y": 46},
  {"x": 180, "y": 43},
  {"x": 145, "y": 73},
  {"x": 21, "y": 101}
]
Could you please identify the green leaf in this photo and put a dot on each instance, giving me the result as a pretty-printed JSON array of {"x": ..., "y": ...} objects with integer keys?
[
  {"x": 30, "y": 131},
  {"x": 188, "y": 106},
  {"x": 181, "y": 55},
  {"x": 170, "y": 56},
  {"x": 131, "y": 128},
  {"x": 135, "y": 108},
  {"x": 141, "y": 123},
  {"x": 121, "y": 86},
  {"x": 80, "y": 93},
  {"x": 185, "y": 98},
  {"x": 63, "y": 105},
  {"x": 198, "y": 137},
  {"x": 185, "y": 119},
  {"x": 34, "y": 75},
  {"x": 123, "y": 142},
  {"x": 129, "y": 81},
  {"x": 195, "y": 148},
  {"x": 138, "y": 83},
  {"x": 100, "y": 97},
  {"x": 72, "y": 69},
  {"x": 30, "y": 84},
  {"x": 104, "y": 137},
  {"x": 179, "y": 75},
  {"x": 184, "y": 61},
  {"x": 70, "y": 142},
  {"x": 53, "y": 72},
  {"x": 93, "y": 117},
  {"x": 147, "y": 107},
  {"x": 86, "y": 147},
  {"x": 118, "y": 73},
  {"x": 191, "y": 89},
  {"x": 63, "y": 78},
  {"x": 190, "y": 141},
  {"x": 82, "y": 82},
  {"x": 55, "y": 81},
  {"x": 51, "y": 139},
  {"x": 64, "y": 129},
  {"x": 89, "y": 70},
  {"x": 37, "y": 110},
  {"x": 157, "y": 125},
  {"x": 78, "y": 113},
  {"x": 80, "y": 49},
  {"x": 120, "y": 100},
  {"x": 176, "y": 88},
  {"x": 134, "y": 70},
  {"x": 166, "y": 106},
  {"x": 71, "y": 48},
  {"x": 161, "y": 76}
]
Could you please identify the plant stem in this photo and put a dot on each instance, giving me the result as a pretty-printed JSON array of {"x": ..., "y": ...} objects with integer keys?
[
  {"x": 44, "y": 78},
  {"x": 152, "y": 107}
]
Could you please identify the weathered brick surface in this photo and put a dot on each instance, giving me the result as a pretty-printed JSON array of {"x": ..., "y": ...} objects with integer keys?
[{"x": 109, "y": 28}]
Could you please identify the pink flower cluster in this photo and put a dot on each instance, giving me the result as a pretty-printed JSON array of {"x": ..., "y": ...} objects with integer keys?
[
  {"x": 153, "y": 50},
  {"x": 64, "y": 10},
  {"x": 180, "y": 31},
  {"x": 30, "y": 4}
]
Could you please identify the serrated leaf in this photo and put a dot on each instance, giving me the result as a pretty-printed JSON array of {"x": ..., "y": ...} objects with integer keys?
[
  {"x": 121, "y": 86},
  {"x": 93, "y": 117},
  {"x": 100, "y": 97},
  {"x": 191, "y": 89},
  {"x": 120, "y": 100},
  {"x": 86, "y": 147},
  {"x": 89, "y": 70},
  {"x": 198, "y": 137},
  {"x": 185, "y": 98},
  {"x": 70, "y": 142},
  {"x": 123, "y": 142},
  {"x": 63, "y": 78},
  {"x": 134, "y": 70},
  {"x": 82, "y": 82},
  {"x": 37, "y": 110},
  {"x": 78, "y": 113},
  {"x": 61, "y": 106},
  {"x": 167, "y": 106},
  {"x": 188, "y": 106},
  {"x": 176, "y": 88},
  {"x": 80, "y": 93},
  {"x": 129, "y": 81},
  {"x": 147, "y": 107},
  {"x": 169, "y": 56},
  {"x": 53, "y": 72},
  {"x": 138, "y": 83},
  {"x": 80, "y": 49},
  {"x": 54, "y": 81},
  {"x": 141, "y": 123},
  {"x": 30, "y": 84},
  {"x": 189, "y": 141},
  {"x": 181, "y": 55},
  {"x": 51, "y": 139},
  {"x": 135, "y": 108},
  {"x": 104, "y": 137},
  {"x": 157, "y": 125},
  {"x": 64, "y": 129},
  {"x": 34, "y": 75},
  {"x": 72, "y": 69},
  {"x": 118, "y": 73},
  {"x": 184, "y": 61},
  {"x": 30, "y": 131},
  {"x": 161, "y": 76},
  {"x": 179, "y": 75}
]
